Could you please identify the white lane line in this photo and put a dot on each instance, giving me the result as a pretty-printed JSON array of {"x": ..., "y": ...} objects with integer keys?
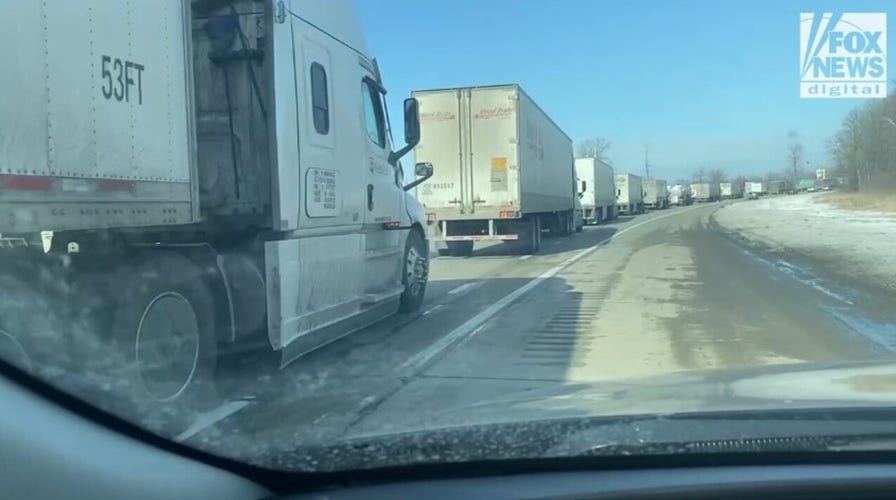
[
  {"x": 524, "y": 257},
  {"x": 418, "y": 361},
  {"x": 431, "y": 309},
  {"x": 211, "y": 417},
  {"x": 462, "y": 288}
]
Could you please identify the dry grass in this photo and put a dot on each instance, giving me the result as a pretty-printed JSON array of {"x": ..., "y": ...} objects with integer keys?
[{"x": 882, "y": 201}]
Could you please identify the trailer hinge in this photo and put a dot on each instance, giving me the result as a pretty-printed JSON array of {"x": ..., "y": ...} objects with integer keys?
[{"x": 280, "y": 15}]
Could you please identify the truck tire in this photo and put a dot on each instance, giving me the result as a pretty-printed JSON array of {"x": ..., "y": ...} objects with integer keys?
[
  {"x": 415, "y": 272},
  {"x": 32, "y": 335},
  {"x": 164, "y": 330},
  {"x": 460, "y": 248},
  {"x": 563, "y": 224},
  {"x": 531, "y": 236}
]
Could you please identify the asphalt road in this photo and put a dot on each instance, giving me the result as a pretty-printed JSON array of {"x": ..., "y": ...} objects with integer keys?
[{"x": 666, "y": 292}]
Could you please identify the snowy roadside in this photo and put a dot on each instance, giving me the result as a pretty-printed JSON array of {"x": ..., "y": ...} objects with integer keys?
[{"x": 859, "y": 245}]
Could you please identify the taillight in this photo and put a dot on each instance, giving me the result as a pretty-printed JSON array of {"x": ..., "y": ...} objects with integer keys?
[{"x": 508, "y": 214}]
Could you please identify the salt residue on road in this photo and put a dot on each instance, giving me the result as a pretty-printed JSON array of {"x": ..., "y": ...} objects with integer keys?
[{"x": 861, "y": 244}]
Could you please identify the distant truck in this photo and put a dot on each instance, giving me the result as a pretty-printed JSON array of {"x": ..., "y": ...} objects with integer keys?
[
  {"x": 703, "y": 192},
  {"x": 780, "y": 187},
  {"x": 753, "y": 187},
  {"x": 680, "y": 194},
  {"x": 656, "y": 195},
  {"x": 629, "y": 194},
  {"x": 599, "y": 191},
  {"x": 506, "y": 170},
  {"x": 729, "y": 190}
]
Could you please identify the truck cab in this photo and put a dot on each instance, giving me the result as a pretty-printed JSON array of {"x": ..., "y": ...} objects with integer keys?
[{"x": 231, "y": 178}]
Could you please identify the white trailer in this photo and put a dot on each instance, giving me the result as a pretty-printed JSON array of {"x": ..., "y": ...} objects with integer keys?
[
  {"x": 629, "y": 194},
  {"x": 705, "y": 191},
  {"x": 729, "y": 190},
  {"x": 599, "y": 194},
  {"x": 754, "y": 187},
  {"x": 505, "y": 168},
  {"x": 680, "y": 194},
  {"x": 656, "y": 194},
  {"x": 173, "y": 189}
]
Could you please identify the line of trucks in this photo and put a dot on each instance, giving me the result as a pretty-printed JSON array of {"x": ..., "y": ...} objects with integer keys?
[
  {"x": 507, "y": 172},
  {"x": 207, "y": 178}
]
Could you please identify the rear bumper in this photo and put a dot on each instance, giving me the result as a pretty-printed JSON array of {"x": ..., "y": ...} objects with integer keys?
[{"x": 479, "y": 237}]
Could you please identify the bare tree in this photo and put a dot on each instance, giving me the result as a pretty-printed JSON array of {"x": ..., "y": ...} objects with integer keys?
[
  {"x": 595, "y": 147},
  {"x": 699, "y": 175},
  {"x": 795, "y": 155},
  {"x": 717, "y": 175}
]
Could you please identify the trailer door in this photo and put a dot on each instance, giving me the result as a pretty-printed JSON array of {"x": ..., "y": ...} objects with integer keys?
[
  {"x": 441, "y": 144},
  {"x": 493, "y": 169}
]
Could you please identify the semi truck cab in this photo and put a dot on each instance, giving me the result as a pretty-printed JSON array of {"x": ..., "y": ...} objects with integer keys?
[{"x": 201, "y": 176}]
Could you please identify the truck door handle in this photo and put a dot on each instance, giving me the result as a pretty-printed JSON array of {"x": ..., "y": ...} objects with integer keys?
[{"x": 370, "y": 197}]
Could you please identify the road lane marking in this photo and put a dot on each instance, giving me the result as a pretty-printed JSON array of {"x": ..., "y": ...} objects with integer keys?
[
  {"x": 417, "y": 362},
  {"x": 210, "y": 418},
  {"x": 462, "y": 288},
  {"x": 524, "y": 257},
  {"x": 432, "y": 309}
]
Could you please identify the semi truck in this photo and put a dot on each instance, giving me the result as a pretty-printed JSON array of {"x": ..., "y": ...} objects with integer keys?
[
  {"x": 729, "y": 190},
  {"x": 703, "y": 192},
  {"x": 599, "y": 190},
  {"x": 506, "y": 170},
  {"x": 656, "y": 195},
  {"x": 629, "y": 194},
  {"x": 754, "y": 188},
  {"x": 192, "y": 179},
  {"x": 680, "y": 194}
]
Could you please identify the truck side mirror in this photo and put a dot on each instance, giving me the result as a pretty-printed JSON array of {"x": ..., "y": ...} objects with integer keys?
[
  {"x": 424, "y": 171},
  {"x": 411, "y": 122},
  {"x": 411, "y": 129}
]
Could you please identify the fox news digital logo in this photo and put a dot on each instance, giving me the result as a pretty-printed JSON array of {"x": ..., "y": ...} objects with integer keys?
[{"x": 843, "y": 55}]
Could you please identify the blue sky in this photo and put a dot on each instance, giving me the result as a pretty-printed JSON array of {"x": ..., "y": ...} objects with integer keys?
[{"x": 711, "y": 84}]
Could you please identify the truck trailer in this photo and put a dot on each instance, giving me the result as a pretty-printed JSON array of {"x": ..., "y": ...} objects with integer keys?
[
  {"x": 506, "y": 170},
  {"x": 174, "y": 191},
  {"x": 729, "y": 190},
  {"x": 680, "y": 194},
  {"x": 629, "y": 194},
  {"x": 599, "y": 191},
  {"x": 656, "y": 195},
  {"x": 703, "y": 192},
  {"x": 755, "y": 188}
]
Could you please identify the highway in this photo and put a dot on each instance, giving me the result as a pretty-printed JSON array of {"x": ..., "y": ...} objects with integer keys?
[{"x": 644, "y": 296}]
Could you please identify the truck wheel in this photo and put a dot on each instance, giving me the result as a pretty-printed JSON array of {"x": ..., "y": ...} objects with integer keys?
[
  {"x": 531, "y": 240},
  {"x": 460, "y": 248},
  {"x": 164, "y": 328},
  {"x": 32, "y": 335},
  {"x": 415, "y": 272}
]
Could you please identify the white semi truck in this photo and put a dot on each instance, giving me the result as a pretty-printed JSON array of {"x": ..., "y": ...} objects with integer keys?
[
  {"x": 703, "y": 192},
  {"x": 729, "y": 190},
  {"x": 505, "y": 168},
  {"x": 191, "y": 176},
  {"x": 680, "y": 194},
  {"x": 629, "y": 194},
  {"x": 599, "y": 190},
  {"x": 656, "y": 196}
]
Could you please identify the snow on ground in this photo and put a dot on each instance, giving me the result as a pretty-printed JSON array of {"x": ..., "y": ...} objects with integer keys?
[{"x": 857, "y": 244}]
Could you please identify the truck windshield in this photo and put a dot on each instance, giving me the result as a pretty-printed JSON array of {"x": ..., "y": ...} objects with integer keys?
[{"x": 610, "y": 213}]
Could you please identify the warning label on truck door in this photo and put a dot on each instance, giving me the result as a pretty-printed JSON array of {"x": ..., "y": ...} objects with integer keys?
[{"x": 320, "y": 193}]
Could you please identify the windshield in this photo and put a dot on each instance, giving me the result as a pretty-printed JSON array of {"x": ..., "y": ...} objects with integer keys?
[{"x": 616, "y": 223}]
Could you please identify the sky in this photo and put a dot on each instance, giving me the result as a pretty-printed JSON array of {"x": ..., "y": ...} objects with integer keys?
[{"x": 698, "y": 83}]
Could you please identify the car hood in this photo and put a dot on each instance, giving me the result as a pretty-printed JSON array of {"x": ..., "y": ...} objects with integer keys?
[{"x": 438, "y": 404}]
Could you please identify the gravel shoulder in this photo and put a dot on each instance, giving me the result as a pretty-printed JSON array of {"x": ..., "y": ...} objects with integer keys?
[{"x": 859, "y": 246}]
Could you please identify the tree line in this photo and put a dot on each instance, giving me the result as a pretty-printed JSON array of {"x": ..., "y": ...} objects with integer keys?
[{"x": 863, "y": 151}]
